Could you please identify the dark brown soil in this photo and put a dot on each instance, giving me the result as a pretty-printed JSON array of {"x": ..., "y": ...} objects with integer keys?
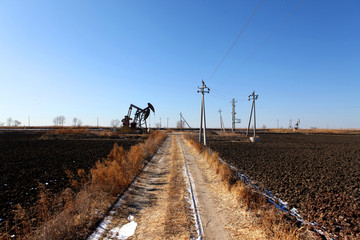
[
  {"x": 26, "y": 160},
  {"x": 317, "y": 174}
]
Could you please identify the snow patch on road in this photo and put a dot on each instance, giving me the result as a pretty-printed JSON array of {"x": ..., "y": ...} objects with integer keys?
[{"x": 125, "y": 231}]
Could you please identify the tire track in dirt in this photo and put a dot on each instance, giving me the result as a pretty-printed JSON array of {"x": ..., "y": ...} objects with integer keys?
[{"x": 213, "y": 221}]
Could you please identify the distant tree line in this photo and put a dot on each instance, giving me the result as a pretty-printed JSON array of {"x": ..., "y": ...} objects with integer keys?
[
  {"x": 115, "y": 123},
  {"x": 59, "y": 121},
  {"x": 77, "y": 122},
  {"x": 10, "y": 122}
]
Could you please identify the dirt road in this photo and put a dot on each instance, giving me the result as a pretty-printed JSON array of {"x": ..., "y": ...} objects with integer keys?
[{"x": 177, "y": 197}]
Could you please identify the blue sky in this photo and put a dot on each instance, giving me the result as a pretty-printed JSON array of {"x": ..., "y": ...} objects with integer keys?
[{"x": 90, "y": 59}]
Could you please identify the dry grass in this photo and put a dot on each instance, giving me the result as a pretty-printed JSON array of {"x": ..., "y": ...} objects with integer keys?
[
  {"x": 227, "y": 134},
  {"x": 71, "y": 131},
  {"x": 265, "y": 216},
  {"x": 177, "y": 224},
  {"x": 82, "y": 131},
  {"x": 195, "y": 144},
  {"x": 104, "y": 133},
  {"x": 22, "y": 221},
  {"x": 71, "y": 215}
]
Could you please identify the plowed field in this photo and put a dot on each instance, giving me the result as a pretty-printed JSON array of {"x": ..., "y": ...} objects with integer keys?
[
  {"x": 317, "y": 174},
  {"x": 26, "y": 161}
]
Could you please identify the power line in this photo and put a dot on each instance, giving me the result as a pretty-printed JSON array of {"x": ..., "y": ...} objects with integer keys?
[
  {"x": 225, "y": 96},
  {"x": 238, "y": 37},
  {"x": 266, "y": 40},
  {"x": 225, "y": 93}
]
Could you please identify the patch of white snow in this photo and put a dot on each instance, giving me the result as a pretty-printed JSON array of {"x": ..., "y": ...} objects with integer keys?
[{"x": 125, "y": 231}]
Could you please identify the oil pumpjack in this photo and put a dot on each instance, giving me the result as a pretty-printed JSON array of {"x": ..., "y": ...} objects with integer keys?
[
  {"x": 140, "y": 117},
  {"x": 296, "y": 127}
]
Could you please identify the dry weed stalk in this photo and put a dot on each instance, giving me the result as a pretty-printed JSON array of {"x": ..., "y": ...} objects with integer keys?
[{"x": 22, "y": 222}]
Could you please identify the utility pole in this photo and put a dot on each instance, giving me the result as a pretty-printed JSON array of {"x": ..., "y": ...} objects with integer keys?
[
  {"x": 29, "y": 120},
  {"x": 277, "y": 124},
  {"x": 203, "y": 89},
  {"x": 167, "y": 122},
  {"x": 221, "y": 121},
  {"x": 160, "y": 123},
  {"x": 97, "y": 122},
  {"x": 234, "y": 120},
  {"x": 252, "y": 97},
  {"x": 182, "y": 121},
  {"x": 233, "y": 114}
]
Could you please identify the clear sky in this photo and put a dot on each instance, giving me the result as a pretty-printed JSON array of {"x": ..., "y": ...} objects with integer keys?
[{"x": 90, "y": 59}]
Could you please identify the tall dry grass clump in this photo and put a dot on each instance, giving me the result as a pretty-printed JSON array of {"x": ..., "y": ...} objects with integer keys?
[
  {"x": 212, "y": 158},
  {"x": 73, "y": 213},
  {"x": 71, "y": 130},
  {"x": 268, "y": 218}
]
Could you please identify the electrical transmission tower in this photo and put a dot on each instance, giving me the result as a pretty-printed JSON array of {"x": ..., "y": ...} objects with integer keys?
[
  {"x": 221, "y": 121},
  {"x": 252, "y": 97},
  {"x": 203, "y": 89}
]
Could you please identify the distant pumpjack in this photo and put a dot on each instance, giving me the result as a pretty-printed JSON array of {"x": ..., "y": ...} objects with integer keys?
[
  {"x": 139, "y": 118},
  {"x": 296, "y": 127}
]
